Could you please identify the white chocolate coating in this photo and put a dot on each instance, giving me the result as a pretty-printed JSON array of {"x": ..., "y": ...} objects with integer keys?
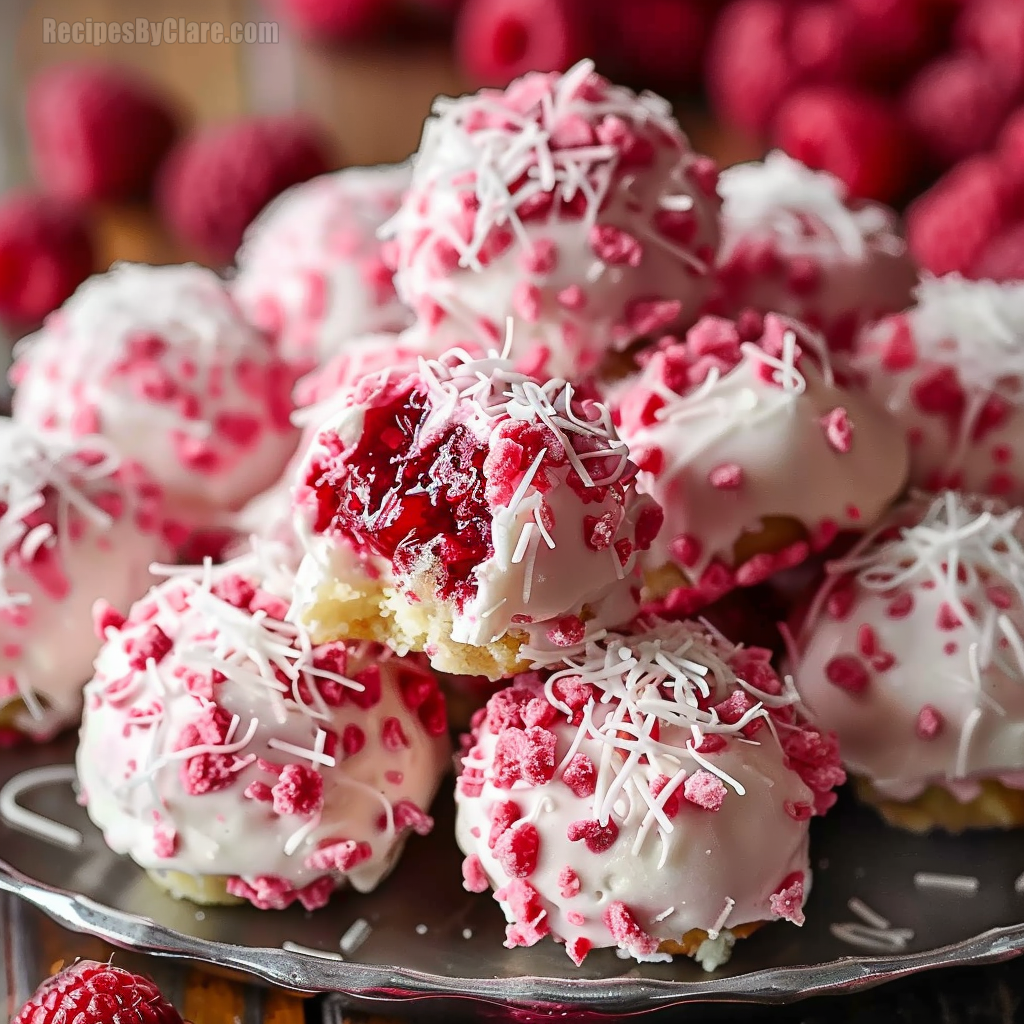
[
  {"x": 532, "y": 516},
  {"x": 706, "y": 846},
  {"x": 912, "y": 652},
  {"x": 755, "y": 431},
  {"x": 310, "y": 270},
  {"x": 951, "y": 370},
  {"x": 569, "y": 204},
  {"x": 287, "y": 761},
  {"x": 160, "y": 361},
  {"x": 794, "y": 243},
  {"x": 76, "y": 525}
]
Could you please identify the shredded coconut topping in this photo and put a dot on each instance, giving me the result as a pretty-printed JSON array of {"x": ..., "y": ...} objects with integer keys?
[{"x": 780, "y": 193}]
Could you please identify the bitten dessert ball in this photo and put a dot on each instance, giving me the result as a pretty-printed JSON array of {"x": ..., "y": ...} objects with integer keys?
[
  {"x": 652, "y": 793},
  {"x": 569, "y": 204},
  {"x": 317, "y": 395},
  {"x": 467, "y": 510},
  {"x": 912, "y": 654},
  {"x": 951, "y": 370},
  {"x": 310, "y": 270},
  {"x": 793, "y": 242},
  {"x": 160, "y": 362},
  {"x": 234, "y": 760},
  {"x": 76, "y": 525},
  {"x": 757, "y": 455}
]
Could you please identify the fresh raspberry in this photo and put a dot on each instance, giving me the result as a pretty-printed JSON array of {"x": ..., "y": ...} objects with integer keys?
[
  {"x": 97, "y": 132},
  {"x": 1003, "y": 258},
  {"x": 762, "y": 50},
  {"x": 662, "y": 41},
  {"x": 45, "y": 254},
  {"x": 893, "y": 38},
  {"x": 335, "y": 20},
  {"x": 949, "y": 226},
  {"x": 217, "y": 180},
  {"x": 955, "y": 107},
  {"x": 994, "y": 30},
  {"x": 857, "y": 137},
  {"x": 94, "y": 993},
  {"x": 499, "y": 40}
]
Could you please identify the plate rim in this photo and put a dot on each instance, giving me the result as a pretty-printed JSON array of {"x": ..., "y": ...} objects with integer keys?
[{"x": 307, "y": 973}]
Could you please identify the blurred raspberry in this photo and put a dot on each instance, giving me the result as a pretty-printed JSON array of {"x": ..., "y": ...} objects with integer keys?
[
  {"x": 217, "y": 180},
  {"x": 498, "y": 40},
  {"x": 855, "y": 136},
  {"x": 894, "y": 38},
  {"x": 335, "y": 20},
  {"x": 45, "y": 254},
  {"x": 994, "y": 30},
  {"x": 949, "y": 227},
  {"x": 97, "y": 132},
  {"x": 955, "y": 106},
  {"x": 660, "y": 42},
  {"x": 762, "y": 50},
  {"x": 1003, "y": 258},
  {"x": 95, "y": 993}
]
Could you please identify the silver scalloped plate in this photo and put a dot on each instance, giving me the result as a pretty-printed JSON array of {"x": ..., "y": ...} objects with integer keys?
[{"x": 428, "y": 939}]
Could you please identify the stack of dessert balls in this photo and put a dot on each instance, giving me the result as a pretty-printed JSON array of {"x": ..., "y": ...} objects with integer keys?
[{"x": 679, "y": 493}]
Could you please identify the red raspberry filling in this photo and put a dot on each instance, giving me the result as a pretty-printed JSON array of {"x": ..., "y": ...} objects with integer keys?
[{"x": 407, "y": 498}]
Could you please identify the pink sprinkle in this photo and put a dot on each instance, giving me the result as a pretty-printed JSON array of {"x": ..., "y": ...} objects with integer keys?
[
  {"x": 853, "y": 513},
  {"x": 867, "y": 640},
  {"x": 299, "y": 790},
  {"x": 704, "y": 789},
  {"x": 541, "y": 258},
  {"x": 727, "y": 477},
  {"x": 396, "y": 778},
  {"x": 104, "y": 617},
  {"x": 999, "y": 596},
  {"x": 686, "y": 550},
  {"x": 797, "y": 811},
  {"x": 838, "y": 430},
  {"x": 947, "y": 619},
  {"x": 950, "y": 648},
  {"x": 614, "y": 246},
  {"x": 646, "y": 316},
  {"x": 580, "y": 775},
  {"x": 929, "y": 722},
  {"x": 596, "y": 837},
  {"x": 900, "y": 607},
  {"x": 574, "y": 917},
  {"x": 392, "y": 736},
  {"x": 572, "y": 297},
  {"x": 625, "y": 930},
  {"x": 882, "y": 661},
  {"x": 840, "y": 602},
  {"x": 568, "y": 883},
  {"x": 788, "y": 902},
  {"x": 848, "y": 673},
  {"x": 153, "y": 644},
  {"x": 259, "y": 791},
  {"x": 503, "y": 814},
  {"x": 526, "y": 299},
  {"x": 408, "y": 815},
  {"x": 579, "y": 946},
  {"x": 517, "y": 849},
  {"x": 353, "y": 739},
  {"x": 165, "y": 841},
  {"x": 474, "y": 878},
  {"x": 339, "y": 855}
]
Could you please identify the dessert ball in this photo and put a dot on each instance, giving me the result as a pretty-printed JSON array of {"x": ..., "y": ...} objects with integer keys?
[
  {"x": 912, "y": 654},
  {"x": 467, "y": 510},
  {"x": 236, "y": 761},
  {"x": 570, "y": 205},
  {"x": 951, "y": 370},
  {"x": 159, "y": 361},
  {"x": 756, "y": 453},
  {"x": 76, "y": 524},
  {"x": 651, "y": 793},
  {"x": 794, "y": 242},
  {"x": 310, "y": 270}
]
